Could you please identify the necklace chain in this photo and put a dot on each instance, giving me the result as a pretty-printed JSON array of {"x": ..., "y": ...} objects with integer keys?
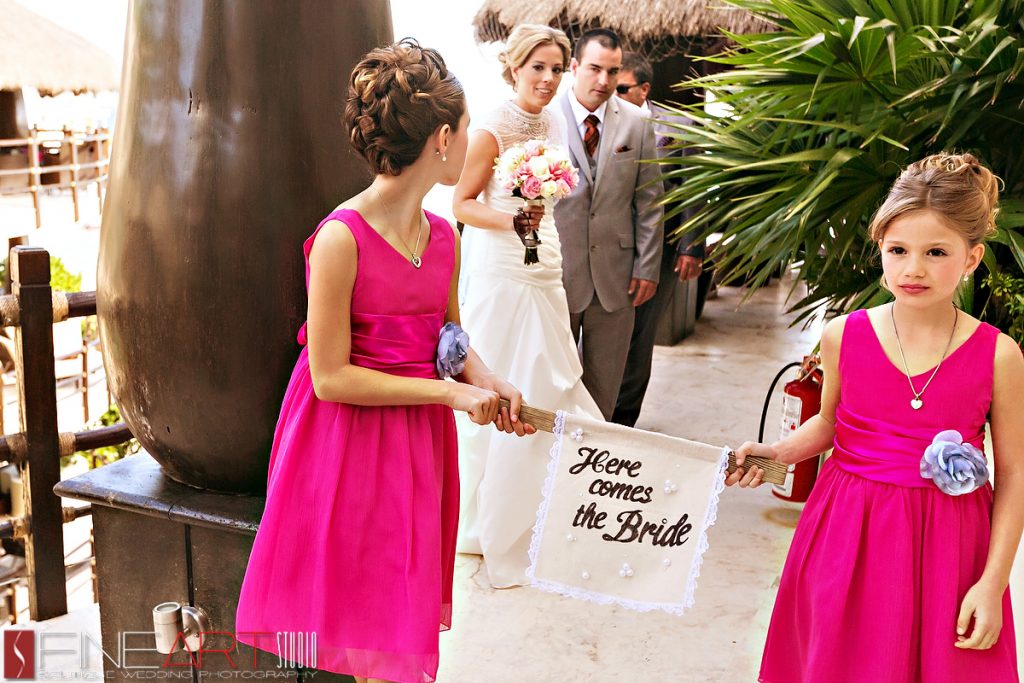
[
  {"x": 416, "y": 260},
  {"x": 916, "y": 402}
]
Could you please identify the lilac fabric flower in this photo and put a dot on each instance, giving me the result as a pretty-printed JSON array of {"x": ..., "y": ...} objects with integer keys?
[
  {"x": 452, "y": 350},
  {"x": 955, "y": 467}
]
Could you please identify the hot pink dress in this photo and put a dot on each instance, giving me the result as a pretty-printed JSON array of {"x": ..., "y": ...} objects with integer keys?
[
  {"x": 357, "y": 540},
  {"x": 882, "y": 558}
]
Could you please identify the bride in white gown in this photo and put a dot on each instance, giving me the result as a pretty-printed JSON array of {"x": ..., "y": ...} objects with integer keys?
[{"x": 516, "y": 314}]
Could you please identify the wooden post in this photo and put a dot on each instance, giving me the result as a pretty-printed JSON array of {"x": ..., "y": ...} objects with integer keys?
[
  {"x": 69, "y": 137},
  {"x": 40, "y": 471},
  {"x": 33, "y": 174}
]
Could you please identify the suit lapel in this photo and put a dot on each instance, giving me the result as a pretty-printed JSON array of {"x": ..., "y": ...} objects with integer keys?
[
  {"x": 605, "y": 149},
  {"x": 575, "y": 141}
]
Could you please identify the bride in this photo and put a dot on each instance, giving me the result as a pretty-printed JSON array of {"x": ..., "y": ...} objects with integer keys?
[{"x": 516, "y": 315}]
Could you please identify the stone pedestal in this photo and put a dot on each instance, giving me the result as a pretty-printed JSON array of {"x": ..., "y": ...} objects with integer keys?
[
  {"x": 680, "y": 315},
  {"x": 158, "y": 540}
]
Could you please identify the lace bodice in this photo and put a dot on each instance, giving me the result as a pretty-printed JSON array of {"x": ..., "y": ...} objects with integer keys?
[
  {"x": 510, "y": 125},
  {"x": 499, "y": 253}
]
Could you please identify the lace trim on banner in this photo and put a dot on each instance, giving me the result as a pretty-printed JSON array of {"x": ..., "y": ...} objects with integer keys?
[
  {"x": 545, "y": 505},
  {"x": 709, "y": 521}
]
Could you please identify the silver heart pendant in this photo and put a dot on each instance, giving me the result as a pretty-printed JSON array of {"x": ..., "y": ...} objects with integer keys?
[
  {"x": 916, "y": 403},
  {"x": 416, "y": 261}
]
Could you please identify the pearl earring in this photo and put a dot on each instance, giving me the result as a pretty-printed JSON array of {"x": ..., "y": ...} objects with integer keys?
[{"x": 967, "y": 276}]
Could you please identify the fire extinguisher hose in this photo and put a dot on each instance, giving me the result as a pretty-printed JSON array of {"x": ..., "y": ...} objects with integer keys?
[{"x": 768, "y": 397}]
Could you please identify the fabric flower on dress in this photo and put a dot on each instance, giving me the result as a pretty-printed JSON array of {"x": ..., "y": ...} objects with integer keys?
[
  {"x": 955, "y": 467},
  {"x": 452, "y": 350}
]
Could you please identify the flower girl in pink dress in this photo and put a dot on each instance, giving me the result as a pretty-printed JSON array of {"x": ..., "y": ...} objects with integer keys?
[
  {"x": 899, "y": 567},
  {"x": 357, "y": 540}
]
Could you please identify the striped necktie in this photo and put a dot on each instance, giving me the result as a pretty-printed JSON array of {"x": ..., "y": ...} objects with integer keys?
[{"x": 591, "y": 137}]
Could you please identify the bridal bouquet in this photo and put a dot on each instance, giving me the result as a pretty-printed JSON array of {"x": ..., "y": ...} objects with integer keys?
[{"x": 535, "y": 171}]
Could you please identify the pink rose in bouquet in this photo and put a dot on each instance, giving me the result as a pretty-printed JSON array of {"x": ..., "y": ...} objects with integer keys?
[{"x": 530, "y": 189}]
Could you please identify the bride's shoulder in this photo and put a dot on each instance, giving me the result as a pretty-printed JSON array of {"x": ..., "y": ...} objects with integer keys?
[
  {"x": 556, "y": 123},
  {"x": 492, "y": 121}
]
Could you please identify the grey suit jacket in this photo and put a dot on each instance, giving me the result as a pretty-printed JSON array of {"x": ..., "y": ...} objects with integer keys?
[{"x": 610, "y": 226}]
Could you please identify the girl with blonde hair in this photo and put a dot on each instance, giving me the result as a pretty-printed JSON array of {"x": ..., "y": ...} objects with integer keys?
[{"x": 899, "y": 567}]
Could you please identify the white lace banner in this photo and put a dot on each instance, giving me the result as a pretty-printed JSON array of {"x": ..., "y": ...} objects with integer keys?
[{"x": 625, "y": 515}]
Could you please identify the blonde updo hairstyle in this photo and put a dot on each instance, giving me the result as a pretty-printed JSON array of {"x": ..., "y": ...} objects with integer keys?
[
  {"x": 524, "y": 39},
  {"x": 955, "y": 186},
  {"x": 398, "y": 96}
]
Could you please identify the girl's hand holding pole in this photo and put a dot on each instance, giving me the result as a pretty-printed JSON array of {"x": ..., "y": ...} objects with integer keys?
[
  {"x": 752, "y": 476},
  {"x": 481, "y": 404},
  {"x": 477, "y": 375},
  {"x": 507, "y": 419}
]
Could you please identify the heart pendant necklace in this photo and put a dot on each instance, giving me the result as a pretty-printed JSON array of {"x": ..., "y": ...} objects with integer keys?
[
  {"x": 916, "y": 402},
  {"x": 415, "y": 258}
]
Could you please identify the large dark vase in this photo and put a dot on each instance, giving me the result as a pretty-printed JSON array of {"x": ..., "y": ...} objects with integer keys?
[{"x": 228, "y": 151}]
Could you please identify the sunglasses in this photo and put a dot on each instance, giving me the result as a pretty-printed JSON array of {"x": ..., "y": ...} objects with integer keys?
[{"x": 623, "y": 89}]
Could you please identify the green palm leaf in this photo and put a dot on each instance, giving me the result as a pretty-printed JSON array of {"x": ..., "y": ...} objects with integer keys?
[{"x": 825, "y": 112}]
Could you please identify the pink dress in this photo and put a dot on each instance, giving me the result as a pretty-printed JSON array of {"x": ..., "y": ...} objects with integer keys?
[
  {"x": 882, "y": 558},
  {"x": 357, "y": 540}
]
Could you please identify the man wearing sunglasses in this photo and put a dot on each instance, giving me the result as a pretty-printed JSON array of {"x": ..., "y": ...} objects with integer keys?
[
  {"x": 610, "y": 226},
  {"x": 685, "y": 257}
]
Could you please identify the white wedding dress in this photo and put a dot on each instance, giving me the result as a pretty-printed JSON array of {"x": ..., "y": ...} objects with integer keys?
[{"x": 517, "y": 319}]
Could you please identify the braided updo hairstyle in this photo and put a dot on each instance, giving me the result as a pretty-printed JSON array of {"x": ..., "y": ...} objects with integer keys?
[
  {"x": 397, "y": 97},
  {"x": 956, "y": 186}
]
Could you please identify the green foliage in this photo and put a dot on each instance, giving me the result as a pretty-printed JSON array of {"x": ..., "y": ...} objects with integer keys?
[
  {"x": 108, "y": 454},
  {"x": 824, "y": 115},
  {"x": 1008, "y": 302},
  {"x": 61, "y": 279}
]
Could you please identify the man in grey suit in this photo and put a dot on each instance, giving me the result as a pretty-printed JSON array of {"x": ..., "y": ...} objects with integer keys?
[{"x": 610, "y": 226}]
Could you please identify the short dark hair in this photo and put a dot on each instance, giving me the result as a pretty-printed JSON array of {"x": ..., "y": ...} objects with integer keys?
[
  {"x": 605, "y": 37},
  {"x": 635, "y": 63}
]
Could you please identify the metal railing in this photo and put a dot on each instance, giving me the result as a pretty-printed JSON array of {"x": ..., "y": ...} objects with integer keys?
[{"x": 32, "y": 309}]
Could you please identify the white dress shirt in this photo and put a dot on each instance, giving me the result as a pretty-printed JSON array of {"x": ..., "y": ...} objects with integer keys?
[{"x": 581, "y": 113}]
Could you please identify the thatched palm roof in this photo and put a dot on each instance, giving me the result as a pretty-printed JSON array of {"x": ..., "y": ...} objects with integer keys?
[
  {"x": 35, "y": 52},
  {"x": 655, "y": 28}
]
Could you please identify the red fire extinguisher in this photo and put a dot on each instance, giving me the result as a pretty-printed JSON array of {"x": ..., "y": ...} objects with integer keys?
[{"x": 800, "y": 402}]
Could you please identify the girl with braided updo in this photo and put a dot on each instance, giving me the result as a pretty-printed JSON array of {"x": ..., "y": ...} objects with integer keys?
[
  {"x": 357, "y": 540},
  {"x": 899, "y": 567}
]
